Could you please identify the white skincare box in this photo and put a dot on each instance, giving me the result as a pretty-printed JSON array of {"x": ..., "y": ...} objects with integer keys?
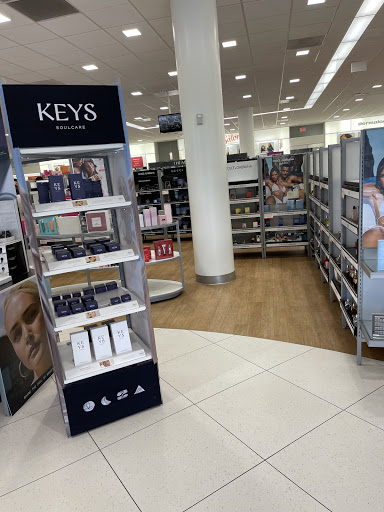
[
  {"x": 120, "y": 337},
  {"x": 101, "y": 342},
  {"x": 81, "y": 348}
]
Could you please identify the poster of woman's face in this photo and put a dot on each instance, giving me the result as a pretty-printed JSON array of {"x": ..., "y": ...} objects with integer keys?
[
  {"x": 268, "y": 147},
  {"x": 25, "y": 358},
  {"x": 373, "y": 187}
]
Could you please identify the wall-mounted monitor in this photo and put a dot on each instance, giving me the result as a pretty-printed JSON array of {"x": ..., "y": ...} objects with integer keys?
[{"x": 170, "y": 123}]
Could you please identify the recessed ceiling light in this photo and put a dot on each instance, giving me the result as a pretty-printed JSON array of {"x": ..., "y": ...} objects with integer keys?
[
  {"x": 302, "y": 52},
  {"x": 294, "y": 80},
  {"x": 284, "y": 117},
  {"x": 240, "y": 77},
  {"x": 247, "y": 96},
  {"x": 227, "y": 124},
  {"x": 132, "y": 32},
  {"x": 90, "y": 67},
  {"x": 137, "y": 93},
  {"x": 172, "y": 73},
  {"x": 376, "y": 86},
  {"x": 163, "y": 108},
  {"x": 359, "y": 99},
  {"x": 139, "y": 140},
  {"x": 4, "y": 19},
  {"x": 336, "y": 117},
  {"x": 232, "y": 129},
  {"x": 286, "y": 109},
  {"x": 290, "y": 98},
  {"x": 282, "y": 123},
  {"x": 138, "y": 118},
  {"x": 314, "y": 2},
  {"x": 228, "y": 44},
  {"x": 346, "y": 109}
]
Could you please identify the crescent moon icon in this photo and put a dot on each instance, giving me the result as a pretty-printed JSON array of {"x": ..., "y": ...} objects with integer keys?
[{"x": 105, "y": 401}]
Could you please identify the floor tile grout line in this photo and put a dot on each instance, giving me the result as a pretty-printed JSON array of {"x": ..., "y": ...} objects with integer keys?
[
  {"x": 360, "y": 399},
  {"x": 117, "y": 476},
  {"x": 187, "y": 353},
  {"x": 48, "y": 474},
  {"x": 297, "y": 485},
  {"x": 214, "y": 342},
  {"x": 294, "y": 357},
  {"x": 366, "y": 421},
  {"x": 29, "y": 416},
  {"x": 238, "y": 355},
  {"x": 225, "y": 485},
  {"x": 173, "y": 387},
  {"x": 303, "y": 435}
]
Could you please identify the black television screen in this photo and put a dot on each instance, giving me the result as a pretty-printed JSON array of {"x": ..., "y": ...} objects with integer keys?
[{"x": 170, "y": 123}]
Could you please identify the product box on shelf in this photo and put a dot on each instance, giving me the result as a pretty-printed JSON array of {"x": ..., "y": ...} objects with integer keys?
[
  {"x": 43, "y": 192},
  {"x": 163, "y": 249},
  {"x": 81, "y": 348},
  {"x": 101, "y": 342},
  {"x": 120, "y": 337},
  {"x": 48, "y": 226},
  {"x": 168, "y": 213},
  {"x": 153, "y": 213},
  {"x": 147, "y": 254},
  {"x": 147, "y": 218},
  {"x": 56, "y": 188},
  {"x": 68, "y": 225},
  {"x": 98, "y": 221},
  {"x": 76, "y": 186}
]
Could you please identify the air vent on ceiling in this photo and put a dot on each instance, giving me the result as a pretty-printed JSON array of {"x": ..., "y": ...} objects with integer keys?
[
  {"x": 305, "y": 42},
  {"x": 39, "y": 10}
]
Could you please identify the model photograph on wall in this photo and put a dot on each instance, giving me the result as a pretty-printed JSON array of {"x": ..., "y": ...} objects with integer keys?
[
  {"x": 268, "y": 147},
  {"x": 373, "y": 187},
  {"x": 283, "y": 178},
  {"x": 25, "y": 358},
  {"x": 91, "y": 169}
]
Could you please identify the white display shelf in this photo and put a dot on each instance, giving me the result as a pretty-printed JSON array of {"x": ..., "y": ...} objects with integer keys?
[
  {"x": 334, "y": 240},
  {"x": 335, "y": 265},
  {"x": 162, "y": 289},
  {"x": 287, "y": 212},
  {"x": 160, "y": 226},
  {"x": 5, "y": 279},
  {"x": 138, "y": 354},
  {"x": 349, "y": 287},
  {"x": 248, "y": 185},
  {"x": 350, "y": 193},
  {"x": 350, "y": 224},
  {"x": 324, "y": 185},
  {"x": 349, "y": 256},
  {"x": 317, "y": 221},
  {"x": 324, "y": 249},
  {"x": 366, "y": 329},
  {"x": 245, "y": 200},
  {"x": 335, "y": 291},
  {"x": 247, "y": 246},
  {"x": 52, "y": 267},
  {"x": 176, "y": 202},
  {"x": 300, "y": 227},
  {"x": 317, "y": 239},
  {"x": 347, "y": 318},
  {"x": 154, "y": 261},
  {"x": 370, "y": 268},
  {"x": 287, "y": 244},
  {"x": 325, "y": 230},
  {"x": 244, "y": 231},
  {"x": 245, "y": 216},
  {"x": 325, "y": 273},
  {"x": 178, "y": 188},
  {"x": 151, "y": 191},
  {"x": 324, "y": 207},
  {"x": 91, "y": 204},
  {"x": 317, "y": 257}
]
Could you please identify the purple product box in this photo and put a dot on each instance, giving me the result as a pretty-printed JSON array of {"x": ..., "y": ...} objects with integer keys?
[
  {"x": 56, "y": 298},
  {"x": 77, "y": 308},
  {"x": 59, "y": 303},
  {"x": 73, "y": 301},
  {"x": 56, "y": 188},
  {"x": 78, "y": 252},
  {"x": 97, "y": 249},
  {"x": 112, "y": 246},
  {"x": 88, "y": 291},
  {"x": 100, "y": 288},
  {"x": 112, "y": 285},
  {"x": 92, "y": 304},
  {"x": 126, "y": 298},
  {"x": 76, "y": 294},
  {"x": 63, "y": 254},
  {"x": 115, "y": 300},
  {"x": 76, "y": 186},
  {"x": 63, "y": 311},
  {"x": 87, "y": 298}
]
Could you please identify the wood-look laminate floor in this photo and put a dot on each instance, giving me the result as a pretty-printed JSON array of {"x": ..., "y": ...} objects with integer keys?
[{"x": 279, "y": 298}]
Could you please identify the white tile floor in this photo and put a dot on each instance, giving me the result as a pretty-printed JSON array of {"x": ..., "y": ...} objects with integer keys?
[{"x": 246, "y": 425}]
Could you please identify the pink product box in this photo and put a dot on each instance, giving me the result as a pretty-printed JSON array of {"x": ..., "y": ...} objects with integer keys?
[
  {"x": 153, "y": 211},
  {"x": 147, "y": 218},
  {"x": 168, "y": 213},
  {"x": 161, "y": 220}
]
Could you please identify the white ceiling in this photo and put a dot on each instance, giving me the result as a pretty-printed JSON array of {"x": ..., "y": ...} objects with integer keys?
[{"x": 57, "y": 49}]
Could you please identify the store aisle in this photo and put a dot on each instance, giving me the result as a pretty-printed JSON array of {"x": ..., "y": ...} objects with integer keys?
[{"x": 247, "y": 424}]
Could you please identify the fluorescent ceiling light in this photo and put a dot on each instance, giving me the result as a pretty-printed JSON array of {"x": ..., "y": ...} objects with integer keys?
[
  {"x": 357, "y": 28},
  {"x": 4, "y": 19},
  {"x": 294, "y": 80},
  {"x": 336, "y": 117},
  {"x": 228, "y": 44},
  {"x": 163, "y": 108},
  {"x": 314, "y": 2},
  {"x": 135, "y": 126},
  {"x": 284, "y": 109},
  {"x": 138, "y": 118},
  {"x": 240, "y": 77},
  {"x": 226, "y": 118},
  {"x": 139, "y": 140},
  {"x": 282, "y": 123},
  {"x": 137, "y": 93},
  {"x": 232, "y": 129},
  {"x": 132, "y": 32},
  {"x": 227, "y": 124},
  {"x": 359, "y": 99},
  {"x": 90, "y": 67},
  {"x": 284, "y": 117},
  {"x": 346, "y": 109},
  {"x": 302, "y": 52},
  {"x": 247, "y": 96},
  {"x": 172, "y": 73},
  {"x": 376, "y": 86},
  {"x": 290, "y": 98}
]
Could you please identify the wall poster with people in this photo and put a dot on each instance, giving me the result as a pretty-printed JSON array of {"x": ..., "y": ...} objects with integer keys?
[
  {"x": 284, "y": 179},
  {"x": 373, "y": 187},
  {"x": 91, "y": 169},
  {"x": 25, "y": 358}
]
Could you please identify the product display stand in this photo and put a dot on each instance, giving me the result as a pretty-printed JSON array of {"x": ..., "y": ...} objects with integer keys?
[
  {"x": 117, "y": 373},
  {"x": 162, "y": 289}
]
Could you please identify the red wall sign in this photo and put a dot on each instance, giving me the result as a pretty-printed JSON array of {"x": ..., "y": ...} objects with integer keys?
[{"x": 137, "y": 161}]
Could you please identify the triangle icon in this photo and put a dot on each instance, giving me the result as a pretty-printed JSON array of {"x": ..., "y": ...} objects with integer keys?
[{"x": 139, "y": 390}]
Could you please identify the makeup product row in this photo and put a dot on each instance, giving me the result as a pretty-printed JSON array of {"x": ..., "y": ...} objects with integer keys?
[
  {"x": 53, "y": 190},
  {"x": 97, "y": 246}
]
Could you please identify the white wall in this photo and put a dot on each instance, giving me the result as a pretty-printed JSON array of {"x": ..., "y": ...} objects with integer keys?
[
  {"x": 281, "y": 134},
  {"x": 147, "y": 151},
  {"x": 334, "y": 128},
  {"x": 314, "y": 141}
]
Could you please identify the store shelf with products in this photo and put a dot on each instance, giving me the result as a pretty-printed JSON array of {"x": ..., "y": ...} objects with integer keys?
[{"x": 100, "y": 333}]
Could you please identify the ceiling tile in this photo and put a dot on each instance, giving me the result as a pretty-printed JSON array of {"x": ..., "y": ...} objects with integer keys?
[
  {"x": 148, "y": 41},
  {"x": 163, "y": 28},
  {"x": 280, "y": 22},
  {"x": 9, "y": 69},
  {"x": 69, "y": 25},
  {"x": 27, "y": 34},
  {"x": 27, "y": 58},
  {"x": 91, "y": 39},
  {"x": 53, "y": 47},
  {"x": 17, "y": 19},
  {"x": 227, "y": 2},
  {"x": 74, "y": 57},
  {"x": 109, "y": 51},
  {"x": 165, "y": 56},
  {"x": 261, "y": 9},
  {"x": 318, "y": 29},
  {"x": 6, "y": 43},
  {"x": 152, "y": 10},
  {"x": 92, "y": 5},
  {"x": 313, "y": 16},
  {"x": 28, "y": 77},
  {"x": 115, "y": 16},
  {"x": 229, "y": 14},
  {"x": 229, "y": 30}
]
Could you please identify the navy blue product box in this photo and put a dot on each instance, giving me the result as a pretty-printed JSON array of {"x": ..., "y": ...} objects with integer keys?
[
  {"x": 102, "y": 240},
  {"x": 43, "y": 192},
  {"x": 87, "y": 243},
  {"x": 97, "y": 249},
  {"x": 59, "y": 303},
  {"x": 100, "y": 288},
  {"x": 112, "y": 285},
  {"x": 56, "y": 297},
  {"x": 88, "y": 189},
  {"x": 88, "y": 291},
  {"x": 126, "y": 298},
  {"x": 115, "y": 300},
  {"x": 78, "y": 252},
  {"x": 56, "y": 247},
  {"x": 92, "y": 304},
  {"x": 87, "y": 298},
  {"x": 63, "y": 254},
  {"x": 77, "y": 308},
  {"x": 76, "y": 186},
  {"x": 63, "y": 311},
  {"x": 56, "y": 188},
  {"x": 76, "y": 294},
  {"x": 97, "y": 190},
  {"x": 67, "y": 296},
  {"x": 73, "y": 301},
  {"x": 112, "y": 246}
]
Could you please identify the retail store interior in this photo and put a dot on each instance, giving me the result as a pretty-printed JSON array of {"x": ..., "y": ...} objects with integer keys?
[{"x": 191, "y": 255}]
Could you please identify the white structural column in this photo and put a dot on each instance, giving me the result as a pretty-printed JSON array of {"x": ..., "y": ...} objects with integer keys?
[
  {"x": 199, "y": 78},
  {"x": 246, "y": 131}
]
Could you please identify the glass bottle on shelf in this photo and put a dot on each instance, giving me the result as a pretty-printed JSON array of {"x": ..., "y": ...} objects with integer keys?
[
  {"x": 326, "y": 222},
  {"x": 355, "y": 279}
]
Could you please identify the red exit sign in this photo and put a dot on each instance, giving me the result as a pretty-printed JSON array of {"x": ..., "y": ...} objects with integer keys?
[{"x": 303, "y": 130}]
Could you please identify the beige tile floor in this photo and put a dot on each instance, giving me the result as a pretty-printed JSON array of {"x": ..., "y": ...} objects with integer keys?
[{"x": 247, "y": 425}]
